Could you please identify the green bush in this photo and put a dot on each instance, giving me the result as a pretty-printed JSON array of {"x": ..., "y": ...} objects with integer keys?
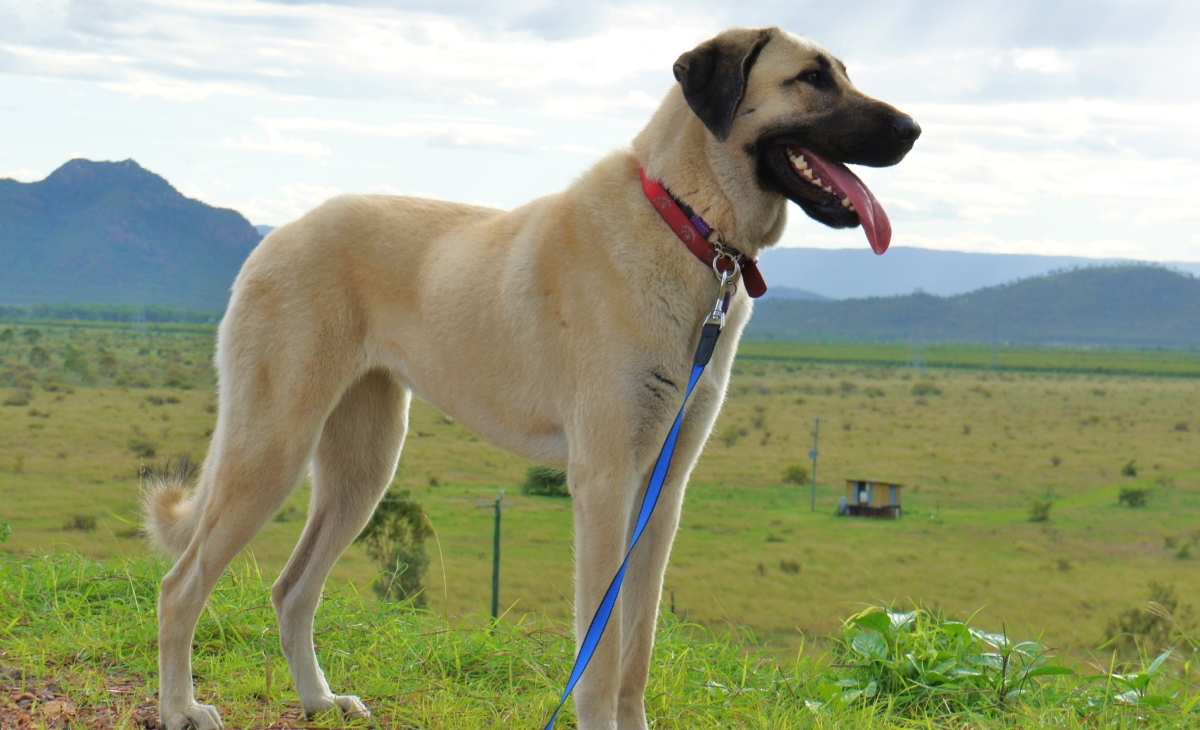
[
  {"x": 542, "y": 481},
  {"x": 1130, "y": 469},
  {"x": 1039, "y": 511},
  {"x": 795, "y": 474},
  {"x": 395, "y": 539},
  {"x": 918, "y": 660},
  {"x": 1133, "y": 496}
]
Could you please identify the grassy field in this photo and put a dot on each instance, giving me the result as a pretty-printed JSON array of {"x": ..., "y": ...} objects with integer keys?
[
  {"x": 77, "y": 648},
  {"x": 975, "y": 449}
]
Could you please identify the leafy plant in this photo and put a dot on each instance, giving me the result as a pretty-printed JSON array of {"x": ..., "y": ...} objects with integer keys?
[
  {"x": 395, "y": 539},
  {"x": 919, "y": 660},
  {"x": 1130, "y": 469},
  {"x": 5, "y": 531},
  {"x": 543, "y": 481}
]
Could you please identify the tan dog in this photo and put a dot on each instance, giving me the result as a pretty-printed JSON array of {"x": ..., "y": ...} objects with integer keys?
[{"x": 562, "y": 331}]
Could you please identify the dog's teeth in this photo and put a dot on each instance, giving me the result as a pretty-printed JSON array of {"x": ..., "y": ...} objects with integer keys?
[
  {"x": 799, "y": 163},
  {"x": 808, "y": 174},
  {"x": 827, "y": 189},
  {"x": 817, "y": 181},
  {"x": 852, "y": 208},
  {"x": 845, "y": 202}
]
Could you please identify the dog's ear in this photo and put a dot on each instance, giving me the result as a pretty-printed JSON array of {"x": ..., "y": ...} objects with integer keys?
[{"x": 713, "y": 76}]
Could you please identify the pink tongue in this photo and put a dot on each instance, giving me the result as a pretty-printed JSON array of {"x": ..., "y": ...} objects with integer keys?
[{"x": 871, "y": 214}]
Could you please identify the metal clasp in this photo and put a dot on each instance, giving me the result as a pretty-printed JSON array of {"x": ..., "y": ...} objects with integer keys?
[{"x": 728, "y": 286}]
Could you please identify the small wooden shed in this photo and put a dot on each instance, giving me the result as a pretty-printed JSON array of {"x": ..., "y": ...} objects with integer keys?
[{"x": 871, "y": 499}]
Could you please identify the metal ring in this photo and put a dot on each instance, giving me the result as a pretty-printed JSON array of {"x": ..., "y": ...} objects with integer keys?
[{"x": 723, "y": 276}]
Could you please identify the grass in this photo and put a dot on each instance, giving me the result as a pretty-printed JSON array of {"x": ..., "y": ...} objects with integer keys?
[
  {"x": 78, "y": 642},
  {"x": 1112, "y": 361},
  {"x": 975, "y": 450}
]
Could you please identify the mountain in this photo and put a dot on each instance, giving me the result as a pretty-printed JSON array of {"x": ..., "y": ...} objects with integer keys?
[
  {"x": 1116, "y": 305},
  {"x": 115, "y": 233},
  {"x": 857, "y": 273},
  {"x": 787, "y": 292}
]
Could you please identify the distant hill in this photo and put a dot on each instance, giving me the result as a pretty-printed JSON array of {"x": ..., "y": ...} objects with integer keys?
[
  {"x": 787, "y": 292},
  {"x": 854, "y": 273},
  {"x": 115, "y": 233},
  {"x": 1117, "y": 305}
]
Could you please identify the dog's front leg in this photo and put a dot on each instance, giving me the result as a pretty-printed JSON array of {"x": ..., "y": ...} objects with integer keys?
[{"x": 602, "y": 495}]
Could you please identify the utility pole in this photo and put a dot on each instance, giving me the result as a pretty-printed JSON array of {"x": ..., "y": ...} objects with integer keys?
[
  {"x": 496, "y": 560},
  {"x": 813, "y": 455}
]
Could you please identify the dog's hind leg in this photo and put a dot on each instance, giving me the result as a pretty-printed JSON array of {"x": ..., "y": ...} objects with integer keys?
[
  {"x": 355, "y": 460},
  {"x": 248, "y": 478}
]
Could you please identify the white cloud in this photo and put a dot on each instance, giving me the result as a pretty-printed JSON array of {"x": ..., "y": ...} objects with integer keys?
[
  {"x": 1041, "y": 60},
  {"x": 293, "y": 201},
  {"x": 1044, "y": 128},
  {"x": 276, "y": 142}
]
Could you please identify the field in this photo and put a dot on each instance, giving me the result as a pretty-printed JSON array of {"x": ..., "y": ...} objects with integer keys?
[{"x": 976, "y": 449}]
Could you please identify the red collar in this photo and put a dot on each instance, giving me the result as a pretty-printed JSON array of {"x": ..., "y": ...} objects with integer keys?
[{"x": 687, "y": 232}]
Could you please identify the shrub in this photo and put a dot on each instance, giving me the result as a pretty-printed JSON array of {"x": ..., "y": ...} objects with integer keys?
[
  {"x": 1039, "y": 511},
  {"x": 143, "y": 447},
  {"x": 395, "y": 539},
  {"x": 32, "y": 335},
  {"x": 38, "y": 357},
  {"x": 925, "y": 388},
  {"x": 83, "y": 523},
  {"x": 1153, "y": 626},
  {"x": 795, "y": 474},
  {"x": 731, "y": 434},
  {"x": 1133, "y": 496},
  {"x": 1130, "y": 469},
  {"x": 543, "y": 481},
  {"x": 791, "y": 567},
  {"x": 1181, "y": 426},
  {"x": 18, "y": 398}
]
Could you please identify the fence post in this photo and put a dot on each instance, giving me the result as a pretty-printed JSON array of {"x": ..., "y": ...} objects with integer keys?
[
  {"x": 813, "y": 455},
  {"x": 496, "y": 560}
]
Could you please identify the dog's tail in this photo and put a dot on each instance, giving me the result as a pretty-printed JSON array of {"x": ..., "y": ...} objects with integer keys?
[{"x": 170, "y": 510}]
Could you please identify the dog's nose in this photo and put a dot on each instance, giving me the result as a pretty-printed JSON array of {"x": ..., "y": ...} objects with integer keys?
[{"x": 907, "y": 129}]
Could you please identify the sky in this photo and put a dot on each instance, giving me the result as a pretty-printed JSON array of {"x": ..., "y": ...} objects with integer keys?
[{"x": 1065, "y": 128}]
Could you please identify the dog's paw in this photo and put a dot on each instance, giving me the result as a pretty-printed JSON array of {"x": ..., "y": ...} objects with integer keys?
[
  {"x": 193, "y": 717},
  {"x": 350, "y": 706}
]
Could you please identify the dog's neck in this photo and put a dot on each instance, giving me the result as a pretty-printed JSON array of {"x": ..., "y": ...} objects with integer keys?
[{"x": 677, "y": 150}]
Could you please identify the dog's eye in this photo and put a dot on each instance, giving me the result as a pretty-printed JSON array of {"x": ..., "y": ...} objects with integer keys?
[{"x": 816, "y": 77}]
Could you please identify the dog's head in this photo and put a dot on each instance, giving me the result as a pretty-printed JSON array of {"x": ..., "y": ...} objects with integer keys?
[{"x": 783, "y": 110}]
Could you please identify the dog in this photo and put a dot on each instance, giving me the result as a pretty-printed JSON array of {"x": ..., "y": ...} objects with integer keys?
[{"x": 562, "y": 331}]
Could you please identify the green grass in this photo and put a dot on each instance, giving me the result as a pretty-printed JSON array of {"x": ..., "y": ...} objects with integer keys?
[
  {"x": 88, "y": 627},
  {"x": 1113, "y": 361},
  {"x": 974, "y": 449}
]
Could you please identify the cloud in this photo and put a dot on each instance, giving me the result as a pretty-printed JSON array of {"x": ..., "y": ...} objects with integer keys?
[
  {"x": 292, "y": 201},
  {"x": 455, "y": 132},
  {"x": 1042, "y": 60},
  {"x": 276, "y": 142},
  {"x": 1046, "y": 124}
]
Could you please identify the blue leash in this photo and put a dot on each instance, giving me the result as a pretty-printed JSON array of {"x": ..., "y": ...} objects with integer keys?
[{"x": 708, "y": 340}]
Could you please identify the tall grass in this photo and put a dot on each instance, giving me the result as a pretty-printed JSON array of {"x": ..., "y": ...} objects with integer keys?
[{"x": 90, "y": 626}]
